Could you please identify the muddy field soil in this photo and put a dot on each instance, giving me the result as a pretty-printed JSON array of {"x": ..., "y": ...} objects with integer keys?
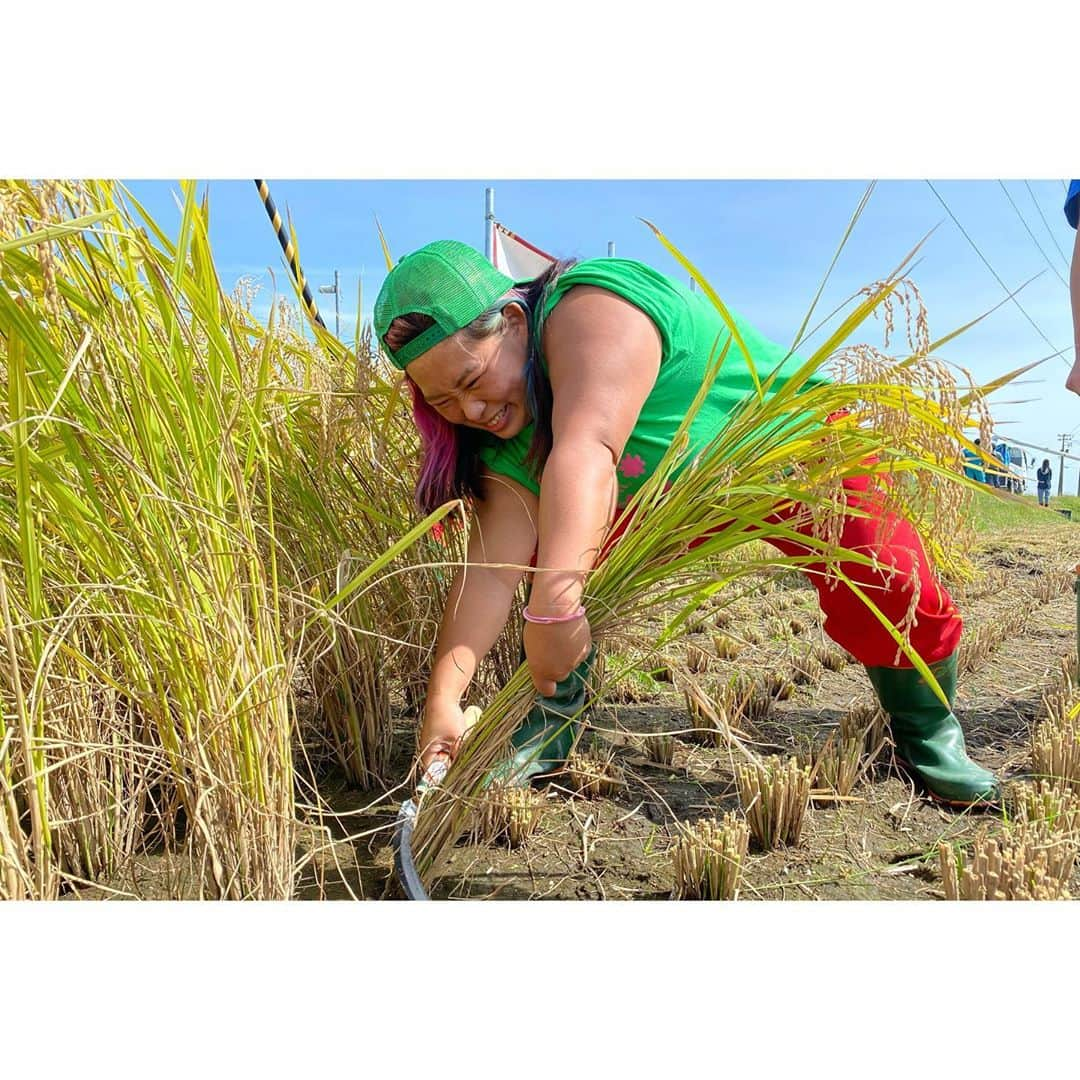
[{"x": 881, "y": 842}]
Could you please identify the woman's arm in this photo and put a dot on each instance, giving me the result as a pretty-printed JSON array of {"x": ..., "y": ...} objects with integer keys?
[
  {"x": 503, "y": 532},
  {"x": 1073, "y": 381},
  {"x": 603, "y": 356}
]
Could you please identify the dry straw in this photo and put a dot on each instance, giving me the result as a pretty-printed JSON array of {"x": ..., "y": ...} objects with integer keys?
[
  {"x": 714, "y": 712},
  {"x": 698, "y": 661},
  {"x": 830, "y": 657},
  {"x": 1055, "y": 807},
  {"x": 708, "y": 858},
  {"x": 594, "y": 774},
  {"x": 726, "y": 647},
  {"x": 807, "y": 670},
  {"x": 774, "y": 795}
]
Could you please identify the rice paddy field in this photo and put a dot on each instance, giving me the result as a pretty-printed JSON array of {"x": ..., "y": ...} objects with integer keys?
[
  {"x": 652, "y": 768},
  {"x": 218, "y": 606}
]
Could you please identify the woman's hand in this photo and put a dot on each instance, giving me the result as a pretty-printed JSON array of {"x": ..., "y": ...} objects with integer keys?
[
  {"x": 553, "y": 650},
  {"x": 440, "y": 734}
]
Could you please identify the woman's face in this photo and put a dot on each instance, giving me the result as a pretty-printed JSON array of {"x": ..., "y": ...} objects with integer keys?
[{"x": 478, "y": 384}]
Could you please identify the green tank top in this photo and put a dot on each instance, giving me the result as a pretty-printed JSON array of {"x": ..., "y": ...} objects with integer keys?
[{"x": 692, "y": 332}]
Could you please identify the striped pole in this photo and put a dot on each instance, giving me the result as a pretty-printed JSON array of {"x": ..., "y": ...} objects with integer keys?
[{"x": 290, "y": 252}]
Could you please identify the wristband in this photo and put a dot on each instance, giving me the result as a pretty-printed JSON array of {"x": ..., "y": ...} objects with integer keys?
[{"x": 528, "y": 616}]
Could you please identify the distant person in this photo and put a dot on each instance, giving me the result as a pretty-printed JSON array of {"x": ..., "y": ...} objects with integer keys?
[
  {"x": 1072, "y": 211},
  {"x": 973, "y": 469},
  {"x": 1043, "y": 476},
  {"x": 1001, "y": 476}
]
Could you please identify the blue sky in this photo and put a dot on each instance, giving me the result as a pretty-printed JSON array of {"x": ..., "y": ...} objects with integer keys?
[{"x": 764, "y": 245}]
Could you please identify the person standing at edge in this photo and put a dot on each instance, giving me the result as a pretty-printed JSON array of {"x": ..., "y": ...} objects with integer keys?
[
  {"x": 1043, "y": 476},
  {"x": 545, "y": 404}
]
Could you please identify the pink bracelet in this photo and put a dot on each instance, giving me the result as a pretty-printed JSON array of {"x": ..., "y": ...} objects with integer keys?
[{"x": 546, "y": 619}]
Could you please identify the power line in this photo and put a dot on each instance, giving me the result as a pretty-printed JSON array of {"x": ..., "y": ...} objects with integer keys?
[
  {"x": 1032, "y": 235},
  {"x": 1047, "y": 224},
  {"x": 986, "y": 263}
]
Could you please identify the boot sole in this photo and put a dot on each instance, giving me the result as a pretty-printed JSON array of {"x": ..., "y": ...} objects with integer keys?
[{"x": 956, "y": 804}]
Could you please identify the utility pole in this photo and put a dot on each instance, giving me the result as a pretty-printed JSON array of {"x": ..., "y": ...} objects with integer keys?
[
  {"x": 336, "y": 290},
  {"x": 1066, "y": 445}
]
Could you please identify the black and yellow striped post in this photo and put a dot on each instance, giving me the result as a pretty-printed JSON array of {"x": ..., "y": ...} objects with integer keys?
[{"x": 290, "y": 251}]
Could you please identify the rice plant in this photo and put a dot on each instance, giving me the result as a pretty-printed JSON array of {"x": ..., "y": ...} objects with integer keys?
[
  {"x": 659, "y": 748},
  {"x": 868, "y": 725},
  {"x": 830, "y": 657},
  {"x": 778, "y": 684},
  {"x": 1055, "y": 747},
  {"x": 507, "y": 815},
  {"x": 774, "y": 796},
  {"x": 697, "y": 659},
  {"x": 180, "y": 485},
  {"x": 838, "y": 764},
  {"x": 707, "y": 858},
  {"x": 1055, "y": 807},
  {"x": 594, "y": 774},
  {"x": 807, "y": 670}
]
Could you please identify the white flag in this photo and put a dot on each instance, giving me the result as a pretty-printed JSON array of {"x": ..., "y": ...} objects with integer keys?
[{"x": 515, "y": 257}]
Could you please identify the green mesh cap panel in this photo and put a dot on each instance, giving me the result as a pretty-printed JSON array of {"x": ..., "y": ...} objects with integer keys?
[{"x": 448, "y": 280}]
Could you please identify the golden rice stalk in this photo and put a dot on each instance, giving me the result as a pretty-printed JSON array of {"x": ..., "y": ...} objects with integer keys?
[
  {"x": 1027, "y": 862},
  {"x": 838, "y": 764},
  {"x": 868, "y": 723},
  {"x": 593, "y": 774},
  {"x": 726, "y": 647},
  {"x": 1052, "y": 584},
  {"x": 508, "y": 815},
  {"x": 777, "y": 684},
  {"x": 698, "y": 660},
  {"x": 708, "y": 858},
  {"x": 708, "y": 720},
  {"x": 774, "y": 796},
  {"x": 748, "y": 698},
  {"x": 658, "y": 748}
]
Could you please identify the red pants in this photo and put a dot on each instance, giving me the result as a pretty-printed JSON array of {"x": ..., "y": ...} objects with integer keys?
[{"x": 902, "y": 561}]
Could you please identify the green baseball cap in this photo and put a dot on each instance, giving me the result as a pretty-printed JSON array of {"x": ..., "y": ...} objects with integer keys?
[{"x": 448, "y": 280}]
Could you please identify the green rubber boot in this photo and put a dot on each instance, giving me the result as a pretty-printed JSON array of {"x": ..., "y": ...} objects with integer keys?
[
  {"x": 929, "y": 737},
  {"x": 547, "y": 735}
]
